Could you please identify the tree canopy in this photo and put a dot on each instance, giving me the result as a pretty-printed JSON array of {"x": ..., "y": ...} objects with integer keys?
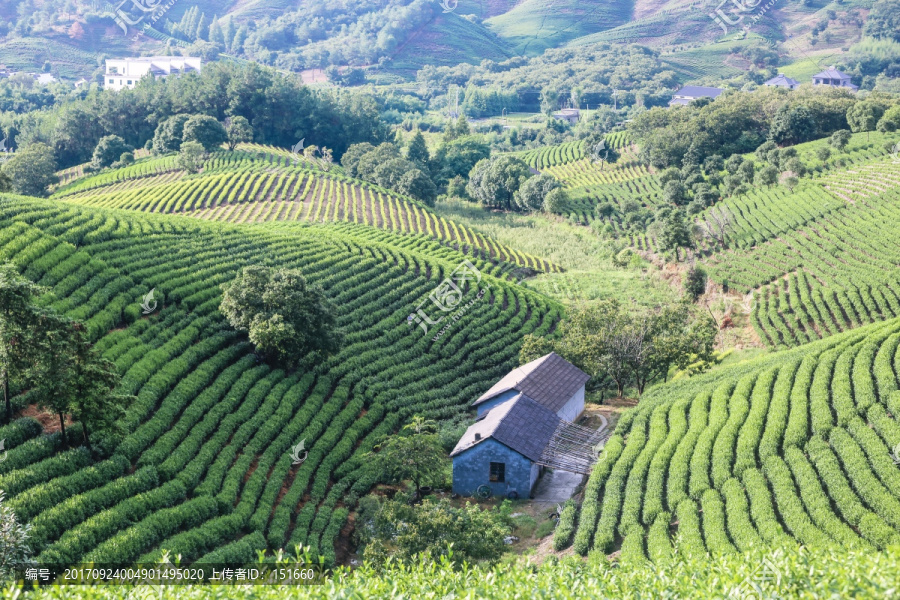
[{"x": 284, "y": 316}]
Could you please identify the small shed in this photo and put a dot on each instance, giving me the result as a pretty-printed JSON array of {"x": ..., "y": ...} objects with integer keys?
[
  {"x": 551, "y": 381},
  {"x": 503, "y": 447}
]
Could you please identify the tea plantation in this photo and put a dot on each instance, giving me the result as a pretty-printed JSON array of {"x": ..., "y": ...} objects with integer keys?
[{"x": 204, "y": 468}]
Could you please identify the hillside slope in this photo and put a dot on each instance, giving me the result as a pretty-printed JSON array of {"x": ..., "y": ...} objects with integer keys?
[
  {"x": 206, "y": 455},
  {"x": 792, "y": 446}
]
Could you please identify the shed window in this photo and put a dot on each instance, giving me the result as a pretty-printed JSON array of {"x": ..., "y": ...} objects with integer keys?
[{"x": 498, "y": 472}]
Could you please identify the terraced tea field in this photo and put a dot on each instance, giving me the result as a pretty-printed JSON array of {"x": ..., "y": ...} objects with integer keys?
[
  {"x": 266, "y": 185},
  {"x": 825, "y": 270},
  {"x": 791, "y": 447},
  {"x": 204, "y": 467}
]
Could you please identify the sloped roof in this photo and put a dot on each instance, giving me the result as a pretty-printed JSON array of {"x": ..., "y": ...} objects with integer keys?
[
  {"x": 782, "y": 80},
  {"x": 698, "y": 91},
  {"x": 520, "y": 423},
  {"x": 550, "y": 380},
  {"x": 831, "y": 73}
]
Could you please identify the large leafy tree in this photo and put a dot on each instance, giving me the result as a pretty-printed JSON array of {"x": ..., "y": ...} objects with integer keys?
[
  {"x": 17, "y": 295},
  {"x": 205, "y": 130},
  {"x": 284, "y": 316},
  {"x": 494, "y": 181},
  {"x": 32, "y": 170},
  {"x": 170, "y": 134},
  {"x": 239, "y": 131},
  {"x": 415, "y": 454},
  {"x": 864, "y": 116},
  {"x": 109, "y": 149},
  {"x": 532, "y": 194}
]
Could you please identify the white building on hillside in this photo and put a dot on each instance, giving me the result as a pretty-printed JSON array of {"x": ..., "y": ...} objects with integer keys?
[{"x": 124, "y": 73}]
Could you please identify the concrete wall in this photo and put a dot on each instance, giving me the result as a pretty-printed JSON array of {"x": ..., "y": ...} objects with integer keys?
[
  {"x": 573, "y": 407},
  {"x": 472, "y": 468},
  {"x": 499, "y": 399}
]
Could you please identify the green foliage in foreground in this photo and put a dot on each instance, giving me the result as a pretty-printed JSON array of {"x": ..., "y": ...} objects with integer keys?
[{"x": 792, "y": 573}]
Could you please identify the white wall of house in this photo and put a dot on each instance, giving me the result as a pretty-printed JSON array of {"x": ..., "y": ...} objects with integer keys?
[{"x": 573, "y": 407}]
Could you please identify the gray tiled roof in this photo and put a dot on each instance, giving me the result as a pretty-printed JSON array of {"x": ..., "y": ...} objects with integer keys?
[
  {"x": 698, "y": 91},
  {"x": 550, "y": 380},
  {"x": 782, "y": 80},
  {"x": 831, "y": 73},
  {"x": 520, "y": 423}
]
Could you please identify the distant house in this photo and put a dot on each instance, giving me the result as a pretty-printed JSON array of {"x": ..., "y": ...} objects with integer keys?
[
  {"x": 126, "y": 72},
  {"x": 783, "y": 81},
  {"x": 516, "y": 420},
  {"x": 833, "y": 78},
  {"x": 44, "y": 78},
  {"x": 689, "y": 93},
  {"x": 570, "y": 115}
]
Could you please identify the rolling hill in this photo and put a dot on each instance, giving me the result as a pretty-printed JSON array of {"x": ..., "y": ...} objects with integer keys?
[{"x": 204, "y": 466}]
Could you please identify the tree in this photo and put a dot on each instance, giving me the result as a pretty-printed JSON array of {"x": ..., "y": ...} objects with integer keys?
[
  {"x": 418, "y": 185},
  {"x": 695, "y": 283},
  {"x": 239, "y": 131},
  {"x": 32, "y": 170},
  {"x": 109, "y": 149},
  {"x": 55, "y": 372},
  {"x": 94, "y": 403},
  {"x": 823, "y": 153},
  {"x": 792, "y": 125},
  {"x": 169, "y": 134},
  {"x": 191, "y": 157},
  {"x": 5, "y": 183},
  {"x": 435, "y": 530},
  {"x": 884, "y": 20},
  {"x": 669, "y": 337},
  {"x": 417, "y": 151},
  {"x": 717, "y": 225},
  {"x": 458, "y": 157},
  {"x": 532, "y": 194},
  {"x": 15, "y": 551},
  {"x": 674, "y": 193},
  {"x": 790, "y": 182},
  {"x": 17, "y": 295},
  {"x": 557, "y": 201},
  {"x": 675, "y": 233},
  {"x": 205, "y": 130},
  {"x": 767, "y": 176},
  {"x": 839, "y": 139},
  {"x": 890, "y": 120},
  {"x": 494, "y": 181},
  {"x": 863, "y": 116},
  {"x": 284, "y": 316},
  {"x": 71, "y": 379},
  {"x": 733, "y": 164},
  {"x": 415, "y": 454}
]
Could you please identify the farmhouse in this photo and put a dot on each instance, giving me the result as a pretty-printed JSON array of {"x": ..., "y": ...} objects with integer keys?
[
  {"x": 570, "y": 115},
  {"x": 517, "y": 421},
  {"x": 126, "y": 72},
  {"x": 783, "y": 81},
  {"x": 689, "y": 93},
  {"x": 834, "y": 78}
]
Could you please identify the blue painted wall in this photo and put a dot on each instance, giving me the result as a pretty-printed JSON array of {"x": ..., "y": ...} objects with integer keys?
[
  {"x": 483, "y": 408},
  {"x": 472, "y": 468}
]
